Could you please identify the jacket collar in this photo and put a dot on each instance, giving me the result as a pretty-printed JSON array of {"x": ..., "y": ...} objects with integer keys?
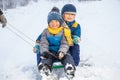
[{"x": 70, "y": 23}]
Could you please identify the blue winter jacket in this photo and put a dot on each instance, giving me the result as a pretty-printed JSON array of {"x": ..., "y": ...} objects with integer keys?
[
  {"x": 74, "y": 30},
  {"x": 53, "y": 42}
]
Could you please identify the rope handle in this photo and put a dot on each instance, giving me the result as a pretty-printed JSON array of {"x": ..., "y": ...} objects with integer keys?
[{"x": 19, "y": 34}]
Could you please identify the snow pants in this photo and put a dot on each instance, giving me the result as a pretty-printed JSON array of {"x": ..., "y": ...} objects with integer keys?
[
  {"x": 38, "y": 58},
  {"x": 66, "y": 59},
  {"x": 75, "y": 52}
]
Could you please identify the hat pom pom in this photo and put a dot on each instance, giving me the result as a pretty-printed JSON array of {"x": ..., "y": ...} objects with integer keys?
[{"x": 55, "y": 9}]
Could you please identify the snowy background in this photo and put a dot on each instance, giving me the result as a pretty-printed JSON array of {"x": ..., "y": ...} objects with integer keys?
[{"x": 100, "y": 39}]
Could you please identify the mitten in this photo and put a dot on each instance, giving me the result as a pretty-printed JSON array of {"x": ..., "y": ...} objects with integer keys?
[
  {"x": 3, "y": 20},
  {"x": 76, "y": 39},
  {"x": 45, "y": 54},
  {"x": 36, "y": 49}
]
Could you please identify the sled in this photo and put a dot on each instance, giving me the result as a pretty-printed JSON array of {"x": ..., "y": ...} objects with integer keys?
[
  {"x": 57, "y": 72},
  {"x": 57, "y": 65}
]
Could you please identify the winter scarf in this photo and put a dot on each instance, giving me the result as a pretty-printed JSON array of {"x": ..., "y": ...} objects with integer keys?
[
  {"x": 55, "y": 31},
  {"x": 67, "y": 33}
]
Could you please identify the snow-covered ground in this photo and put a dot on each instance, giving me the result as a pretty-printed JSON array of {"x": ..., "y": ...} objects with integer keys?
[{"x": 100, "y": 39}]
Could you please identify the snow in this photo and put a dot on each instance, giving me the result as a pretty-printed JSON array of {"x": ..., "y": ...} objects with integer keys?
[{"x": 100, "y": 39}]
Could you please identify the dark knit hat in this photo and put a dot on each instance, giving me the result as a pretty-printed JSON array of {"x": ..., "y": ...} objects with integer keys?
[
  {"x": 68, "y": 8},
  {"x": 54, "y": 14}
]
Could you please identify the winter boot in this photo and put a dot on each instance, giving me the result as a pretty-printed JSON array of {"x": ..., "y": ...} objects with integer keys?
[
  {"x": 44, "y": 69},
  {"x": 70, "y": 71}
]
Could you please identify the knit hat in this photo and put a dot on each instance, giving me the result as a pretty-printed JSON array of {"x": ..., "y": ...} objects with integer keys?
[
  {"x": 68, "y": 8},
  {"x": 55, "y": 9},
  {"x": 54, "y": 14}
]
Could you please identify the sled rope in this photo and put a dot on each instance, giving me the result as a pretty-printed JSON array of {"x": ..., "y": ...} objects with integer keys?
[
  {"x": 19, "y": 36},
  {"x": 20, "y": 32},
  {"x": 53, "y": 55}
]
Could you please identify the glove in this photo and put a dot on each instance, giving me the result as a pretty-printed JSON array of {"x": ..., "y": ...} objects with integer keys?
[
  {"x": 3, "y": 20},
  {"x": 36, "y": 49},
  {"x": 76, "y": 39},
  {"x": 3, "y": 25},
  {"x": 45, "y": 54},
  {"x": 61, "y": 55}
]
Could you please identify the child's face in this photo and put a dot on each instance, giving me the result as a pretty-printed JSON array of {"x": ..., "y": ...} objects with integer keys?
[
  {"x": 54, "y": 24},
  {"x": 69, "y": 17}
]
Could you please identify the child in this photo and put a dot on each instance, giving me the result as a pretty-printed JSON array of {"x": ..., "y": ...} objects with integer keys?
[
  {"x": 2, "y": 19},
  {"x": 36, "y": 48},
  {"x": 54, "y": 46},
  {"x": 68, "y": 13}
]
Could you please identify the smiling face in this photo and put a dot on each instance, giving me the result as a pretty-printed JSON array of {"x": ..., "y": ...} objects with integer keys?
[
  {"x": 69, "y": 17},
  {"x": 54, "y": 24}
]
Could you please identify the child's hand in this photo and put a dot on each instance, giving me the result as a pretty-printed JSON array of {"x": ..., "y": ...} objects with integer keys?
[
  {"x": 45, "y": 55},
  {"x": 36, "y": 49},
  {"x": 76, "y": 39},
  {"x": 61, "y": 55}
]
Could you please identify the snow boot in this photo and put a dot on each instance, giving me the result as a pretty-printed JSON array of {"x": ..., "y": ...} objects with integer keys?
[
  {"x": 70, "y": 71},
  {"x": 44, "y": 69}
]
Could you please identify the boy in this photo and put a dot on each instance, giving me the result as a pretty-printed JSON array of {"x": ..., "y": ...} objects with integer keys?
[
  {"x": 2, "y": 19},
  {"x": 68, "y": 13},
  {"x": 36, "y": 48},
  {"x": 54, "y": 46}
]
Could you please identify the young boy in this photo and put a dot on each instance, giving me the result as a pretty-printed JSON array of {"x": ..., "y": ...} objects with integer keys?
[
  {"x": 36, "y": 48},
  {"x": 2, "y": 19},
  {"x": 68, "y": 13},
  {"x": 54, "y": 46}
]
